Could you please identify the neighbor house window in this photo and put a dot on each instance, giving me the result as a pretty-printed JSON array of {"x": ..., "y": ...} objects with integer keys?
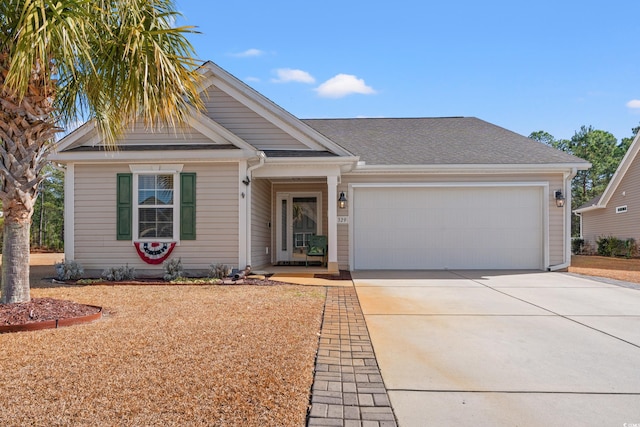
[{"x": 621, "y": 209}]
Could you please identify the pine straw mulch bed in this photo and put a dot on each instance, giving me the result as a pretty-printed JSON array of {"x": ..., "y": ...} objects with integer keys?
[
  {"x": 167, "y": 355},
  {"x": 627, "y": 270}
]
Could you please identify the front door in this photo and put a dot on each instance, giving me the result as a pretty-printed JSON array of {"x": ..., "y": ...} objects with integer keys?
[{"x": 298, "y": 218}]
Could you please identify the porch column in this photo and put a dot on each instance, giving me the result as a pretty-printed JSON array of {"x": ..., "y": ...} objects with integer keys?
[{"x": 332, "y": 223}]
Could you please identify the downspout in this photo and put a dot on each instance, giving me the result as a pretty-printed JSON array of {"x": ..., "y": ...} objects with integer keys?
[
  {"x": 566, "y": 220},
  {"x": 247, "y": 182},
  {"x": 579, "y": 215}
]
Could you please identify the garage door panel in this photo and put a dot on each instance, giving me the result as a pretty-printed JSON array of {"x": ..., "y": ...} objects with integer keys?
[{"x": 448, "y": 227}]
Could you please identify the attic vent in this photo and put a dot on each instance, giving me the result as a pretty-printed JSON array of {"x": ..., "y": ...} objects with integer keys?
[{"x": 621, "y": 209}]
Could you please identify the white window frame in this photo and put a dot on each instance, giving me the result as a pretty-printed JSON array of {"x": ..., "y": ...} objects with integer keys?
[
  {"x": 158, "y": 169},
  {"x": 621, "y": 209}
]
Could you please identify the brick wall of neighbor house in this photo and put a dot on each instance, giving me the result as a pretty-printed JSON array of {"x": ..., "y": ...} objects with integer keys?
[
  {"x": 217, "y": 210},
  {"x": 260, "y": 222},
  {"x": 556, "y": 218},
  {"x": 246, "y": 123},
  {"x": 606, "y": 222}
]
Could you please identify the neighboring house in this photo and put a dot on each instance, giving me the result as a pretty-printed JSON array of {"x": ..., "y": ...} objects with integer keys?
[
  {"x": 247, "y": 183},
  {"x": 616, "y": 212}
]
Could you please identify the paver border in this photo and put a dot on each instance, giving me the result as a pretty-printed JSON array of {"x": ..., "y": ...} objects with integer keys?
[{"x": 348, "y": 389}]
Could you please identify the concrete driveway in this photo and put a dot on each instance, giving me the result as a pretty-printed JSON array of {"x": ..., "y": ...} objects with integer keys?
[{"x": 467, "y": 348}]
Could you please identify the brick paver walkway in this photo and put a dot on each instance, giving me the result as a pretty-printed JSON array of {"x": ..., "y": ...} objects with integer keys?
[{"x": 347, "y": 387}]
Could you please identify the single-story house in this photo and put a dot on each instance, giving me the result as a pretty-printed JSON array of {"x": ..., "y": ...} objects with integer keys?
[
  {"x": 616, "y": 212},
  {"x": 247, "y": 183}
]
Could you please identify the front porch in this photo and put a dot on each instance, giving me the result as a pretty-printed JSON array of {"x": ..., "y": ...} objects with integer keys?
[
  {"x": 311, "y": 276},
  {"x": 284, "y": 214}
]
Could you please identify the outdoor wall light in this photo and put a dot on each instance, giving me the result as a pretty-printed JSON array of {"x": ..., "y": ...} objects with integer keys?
[
  {"x": 559, "y": 198},
  {"x": 342, "y": 200}
]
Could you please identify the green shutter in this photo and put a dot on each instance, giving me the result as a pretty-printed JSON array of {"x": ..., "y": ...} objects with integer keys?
[
  {"x": 187, "y": 206},
  {"x": 124, "y": 206}
]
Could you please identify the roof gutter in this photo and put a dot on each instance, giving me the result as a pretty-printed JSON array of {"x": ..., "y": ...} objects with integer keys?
[
  {"x": 320, "y": 160},
  {"x": 588, "y": 208},
  {"x": 471, "y": 168}
]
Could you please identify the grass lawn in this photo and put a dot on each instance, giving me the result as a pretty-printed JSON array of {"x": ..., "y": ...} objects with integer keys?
[
  {"x": 167, "y": 355},
  {"x": 627, "y": 270}
]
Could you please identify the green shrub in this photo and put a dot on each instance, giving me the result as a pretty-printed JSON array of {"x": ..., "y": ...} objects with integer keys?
[
  {"x": 172, "y": 269},
  {"x": 117, "y": 274},
  {"x": 219, "y": 271},
  {"x": 612, "y": 246},
  {"x": 577, "y": 245},
  {"x": 68, "y": 270},
  {"x": 631, "y": 247}
]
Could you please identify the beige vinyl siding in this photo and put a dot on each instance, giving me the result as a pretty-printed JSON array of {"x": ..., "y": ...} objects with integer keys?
[
  {"x": 556, "y": 218},
  {"x": 343, "y": 230},
  {"x": 247, "y": 124},
  {"x": 216, "y": 241},
  {"x": 557, "y": 221},
  {"x": 260, "y": 221},
  {"x": 96, "y": 246},
  {"x": 606, "y": 222},
  {"x": 140, "y": 135}
]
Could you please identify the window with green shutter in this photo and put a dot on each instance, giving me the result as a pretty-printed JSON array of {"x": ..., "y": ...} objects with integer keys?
[
  {"x": 187, "y": 206},
  {"x": 147, "y": 209}
]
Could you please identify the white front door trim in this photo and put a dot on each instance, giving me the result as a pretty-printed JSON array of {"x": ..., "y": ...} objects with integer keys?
[{"x": 286, "y": 254}]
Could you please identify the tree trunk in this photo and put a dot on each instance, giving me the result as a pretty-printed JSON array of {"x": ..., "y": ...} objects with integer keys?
[
  {"x": 15, "y": 262},
  {"x": 27, "y": 130}
]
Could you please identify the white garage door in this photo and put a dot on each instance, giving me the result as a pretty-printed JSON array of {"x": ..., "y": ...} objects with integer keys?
[{"x": 448, "y": 228}]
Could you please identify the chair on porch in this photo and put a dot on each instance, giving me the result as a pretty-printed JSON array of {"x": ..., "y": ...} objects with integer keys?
[{"x": 317, "y": 247}]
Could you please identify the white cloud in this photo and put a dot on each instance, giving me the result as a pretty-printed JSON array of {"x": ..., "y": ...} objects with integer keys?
[
  {"x": 634, "y": 103},
  {"x": 286, "y": 75},
  {"x": 249, "y": 53},
  {"x": 342, "y": 85}
]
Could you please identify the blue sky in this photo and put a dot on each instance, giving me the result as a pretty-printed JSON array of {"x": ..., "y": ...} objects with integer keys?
[{"x": 551, "y": 65}]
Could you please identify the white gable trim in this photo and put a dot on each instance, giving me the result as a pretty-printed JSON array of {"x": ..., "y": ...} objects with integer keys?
[
  {"x": 74, "y": 137},
  {"x": 215, "y": 131},
  {"x": 154, "y": 156},
  {"x": 624, "y": 166},
  {"x": 269, "y": 110}
]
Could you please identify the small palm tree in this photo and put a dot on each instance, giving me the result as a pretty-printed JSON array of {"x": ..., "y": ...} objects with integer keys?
[{"x": 112, "y": 61}]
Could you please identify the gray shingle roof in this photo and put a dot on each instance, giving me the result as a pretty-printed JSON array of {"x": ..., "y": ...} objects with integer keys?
[
  {"x": 591, "y": 202},
  {"x": 432, "y": 141}
]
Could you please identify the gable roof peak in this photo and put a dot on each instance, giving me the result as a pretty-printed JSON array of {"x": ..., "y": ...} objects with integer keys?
[{"x": 616, "y": 179}]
